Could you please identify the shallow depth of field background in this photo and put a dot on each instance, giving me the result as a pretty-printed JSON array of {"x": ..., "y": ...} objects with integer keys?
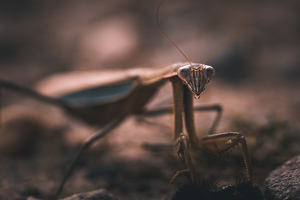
[{"x": 257, "y": 82}]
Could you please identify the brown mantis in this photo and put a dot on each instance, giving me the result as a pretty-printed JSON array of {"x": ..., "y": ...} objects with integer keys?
[
  {"x": 127, "y": 92},
  {"x": 115, "y": 99}
]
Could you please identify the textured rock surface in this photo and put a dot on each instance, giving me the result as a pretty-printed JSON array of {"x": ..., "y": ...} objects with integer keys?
[
  {"x": 100, "y": 194},
  {"x": 284, "y": 182}
]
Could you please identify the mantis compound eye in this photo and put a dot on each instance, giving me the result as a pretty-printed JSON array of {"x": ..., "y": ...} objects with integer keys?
[
  {"x": 183, "y": 73},
  {"x": 209, "y": 72}
]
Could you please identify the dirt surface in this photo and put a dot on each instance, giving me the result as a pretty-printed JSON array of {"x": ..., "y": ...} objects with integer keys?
[{"x": 256, "y": 82}]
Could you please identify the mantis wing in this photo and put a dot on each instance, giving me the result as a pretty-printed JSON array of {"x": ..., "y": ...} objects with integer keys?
[{"x": 100, "y": 87}]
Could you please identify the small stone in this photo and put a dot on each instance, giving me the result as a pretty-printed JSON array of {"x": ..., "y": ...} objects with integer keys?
[
  {"x": 32, "y": 198},
  {"x": 100, "y": 194},
  {"x": 284, "y": 182}
]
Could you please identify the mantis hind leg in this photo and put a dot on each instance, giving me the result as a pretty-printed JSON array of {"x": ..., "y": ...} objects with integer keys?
[
  {"x": 17, "y": 122},
  {"x": 88, "y": 142},
  {"x": 31, "y": 93}
]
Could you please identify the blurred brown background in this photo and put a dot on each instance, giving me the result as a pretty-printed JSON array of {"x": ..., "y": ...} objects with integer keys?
[{"x": 257, "y": 73}]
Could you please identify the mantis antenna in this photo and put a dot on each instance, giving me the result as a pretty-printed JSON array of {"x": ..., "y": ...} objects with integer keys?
[
  {"x": 210, "y": 54},
  {"x": 230, "y": 39},
  {"x": 168, "y": 37}
]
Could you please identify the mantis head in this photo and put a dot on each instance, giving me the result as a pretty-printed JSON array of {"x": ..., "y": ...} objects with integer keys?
[{"x": 196, "y": 76}]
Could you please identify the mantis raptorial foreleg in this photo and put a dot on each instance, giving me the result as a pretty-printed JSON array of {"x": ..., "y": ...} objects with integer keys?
[
  {"x": 183, "y": 101},
  {"x": 217, "y": 143},
  {"x": 222, "y": 142},
  {"x": 182, "y": 145},
  {"x": 178, "y": 91}
]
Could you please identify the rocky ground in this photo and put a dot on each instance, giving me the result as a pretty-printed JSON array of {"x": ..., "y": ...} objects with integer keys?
[{"x": 256, "y": 82}]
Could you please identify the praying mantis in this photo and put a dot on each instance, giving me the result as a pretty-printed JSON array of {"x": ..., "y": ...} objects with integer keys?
[{"x": 112, "y": 98}]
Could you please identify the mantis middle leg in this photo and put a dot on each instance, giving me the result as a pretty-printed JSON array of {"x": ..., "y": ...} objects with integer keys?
[{"x": 211, "y": 107}]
